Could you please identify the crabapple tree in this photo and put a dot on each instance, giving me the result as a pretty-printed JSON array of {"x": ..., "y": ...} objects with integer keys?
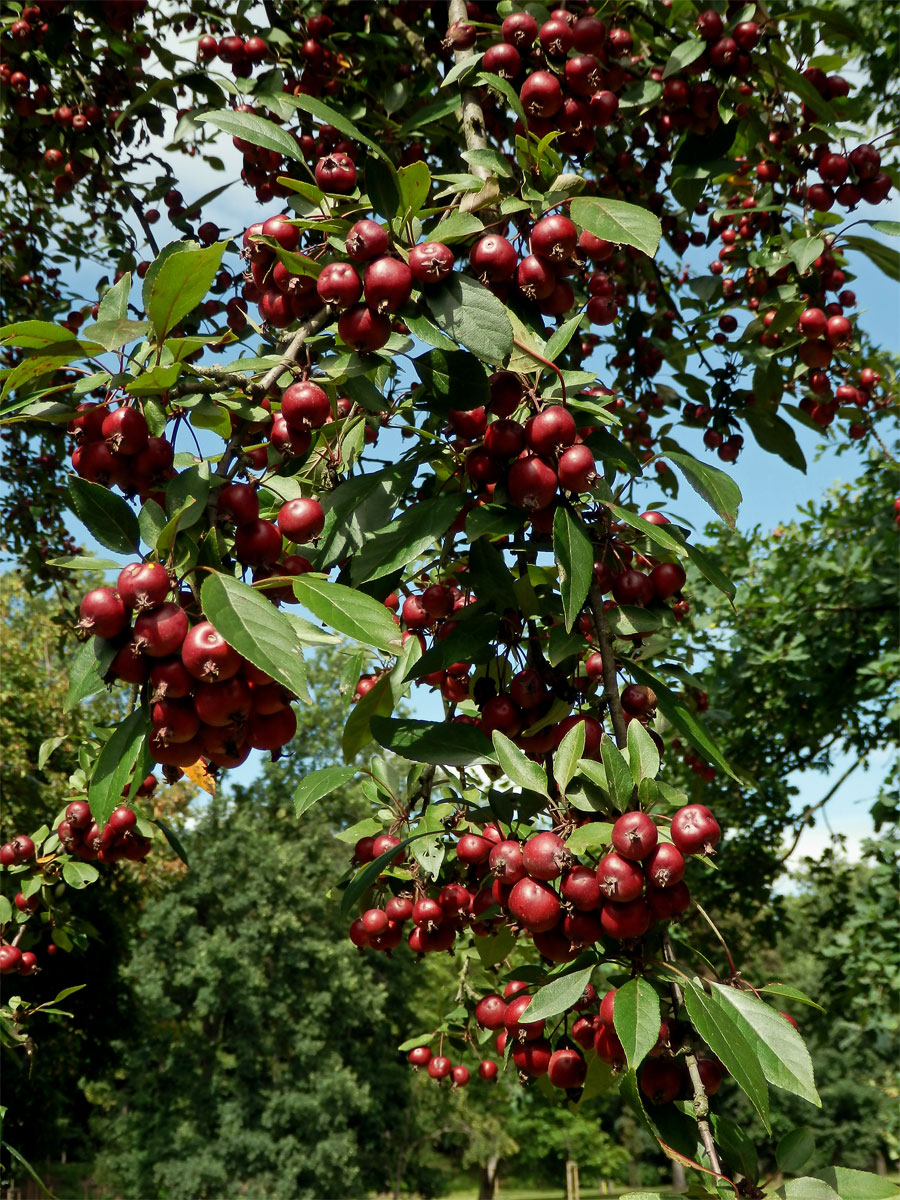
[{"x": 507, "y": 279}]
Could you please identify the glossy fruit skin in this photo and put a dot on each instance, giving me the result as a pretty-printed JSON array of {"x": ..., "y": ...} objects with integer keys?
[
  {"x": 521, "y": 1030},
  {"x": 667, "y": 579},
  {"x": 473, "y": 849},
  {"x": 387, "y": 284},
  {"x": 541, "y": 95},
  {"x": 161, "y": 631},
  {"x": 125, "y": 431},
  {"x": 490, "y": 1012},
  {"x": 493, "y": 259},
  {"x": 634, "y": 835},
  {"x": 507, "y": 862},
  {"x": 566, "y": 1069},
  {"x": 711, "y": 1074},
  {"x": 366, "y": 240},
  {"x": 142, "y": 586},
  {"x": 439, "y": 1067},
  {"x": 258, "y": 543},
  {"x": 576, "y": 469},
  {"x": 238, "y": 502},
  {"x": 532, "y": 483},
  {"x": 419, "y": 1056},
  {"x": 430, "y": 262},
  {"x": 363, "y": 329},
  {"x": 487, "y": 1069},
  {"x": 532, "y": 1058},
  {"x": 336, "y": 172},
  {"x": 552, "y": 427},
  {"x": 339, "y": 285},
  {"x": 305, "y": 405},
  {"x": 619, "y": 878},
  {"x": 626, "y": 921},
  {"x": 694, "y": 830},
  {"x": 555, "y": 238},
  {"x": 535, "y": 905},
  {"x": 519, "y": 29},
  {"x": 535, "y": 278},
  {"x": 633, "y": 587},
  {"x": 301, "y": 520},
  {"x": 460, "y": 1076},
  {"x": 207, "y": 656},
  {"x": 102, "y": 613},
  {"x": 579, "y": 888},
  {"x": 281, "y": 229},
  {"x": 664, "y": 865},
  {"x": 545, "y": 856}
]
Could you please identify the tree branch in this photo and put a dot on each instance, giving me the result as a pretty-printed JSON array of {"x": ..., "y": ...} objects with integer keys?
[
  {"x": 311, "y": 325},
  {"x": 808, "y": 812},
  {"x": 473, "y": 125},
  {"x": 416, "y": 45},
  {"x": 700, "y": 1098},
  {"x": 608, "y": 657}
]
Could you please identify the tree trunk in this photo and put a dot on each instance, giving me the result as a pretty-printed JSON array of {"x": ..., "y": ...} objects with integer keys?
[
  {"x": 679, "y": 1179},
  {"x": 489, "y": 1179}
]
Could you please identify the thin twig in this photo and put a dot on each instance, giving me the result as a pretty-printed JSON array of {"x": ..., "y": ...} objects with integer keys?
[
  {"x": 700, "y": 1098},
  {"x": 416, "y": 45},
  {"x": 808, "y": 812},
  {"x": 608, "y": 658}
]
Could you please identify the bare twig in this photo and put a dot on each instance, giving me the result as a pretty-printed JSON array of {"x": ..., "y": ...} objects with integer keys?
[
  {"x": 810, "y": 809},
  {"x": 608, "y": 657},
  {"x": 473, "y": 125},
  {"x": 415, "y": 43},
  {"x": 700, "y": 1098}
]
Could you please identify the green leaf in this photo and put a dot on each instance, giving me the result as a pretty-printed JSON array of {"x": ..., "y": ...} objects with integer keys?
[
  {"x": 643, "y": 756},
  {"x": 357, "y": 732},
  {"x": 48, "y": 745},
  {"x": 808, "y": 1188},
  {"x": 891, "y": 228},
  {"x": 574, "y": 560},
  {"x": 858, "y": 1185},
  {"x": 318, "y": 784},
  {"x": 20, "y": 1158},
  {"x": 450, "y": 374},
  {"x": 615, "y": 221},
  {"x": 795, "y": 1150},
  {"x": 414, "y": 182},
  {"x": 331, "y": 116},
  {"x": 659, "y": 534},
  {"x": 363, "y": 880},
  {"x": 180, "y": 284},
  {"x": 451, "y": 744},
  {"x": 561, "y": 337},
  {"x": 151, "y": 522},
  {"x": 885, "y": 258},
  {"x": 804, "y": 251},
  {"x": 254, "y": 627},
  {"x": 559, "y": 995},
  {"x": 780, "y": 1049},
  {"x": 736, "y": 1146},
  {"x": 470, "y": 641},
  {"x": 115, "y": 764},
  {"x": 719, "y": 490},
  {"x": 594, "y": 835},
  {"x": 724, "y": 1036},
  {"x": 5, "y": 911},
  {"x": 472, "y": 317},
  {"x": 113, "y": 335},
  {"x": 84, "y": 562},
  {"x": 457, "y": 227},
  {"x": 674, "y": 709},
  {"x": 517, "y": 766},
  {"x": 107, "y": 516},
  {"x": 350, "y": 612},
  {"x": 774, "y": 434},
  {"x": 173, "y": 839},
  {"x": 567, "y": 756},
  {"x": 259, "y": 131},
  {"x": 636, "y": 1019},
  {"x": 401, "y": 542},
  {"x": 790, "y": 993},
  {"x": 683, "y": 55},
  {"x": 383, "y": 189},
  {"x": 87, "y": 670},
  {"x": 618, "y": 774}
]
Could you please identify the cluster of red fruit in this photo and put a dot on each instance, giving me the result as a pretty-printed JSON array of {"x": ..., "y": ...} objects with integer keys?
[
  {"x": 241, "y": 54},
  {"x": 79, "y": 833},
  {"x": 206, "y": 699},
  {"x": 440, "y": 1067},
  {"x": 114, "y": 447},
  {"x": 636, "y": 884}
]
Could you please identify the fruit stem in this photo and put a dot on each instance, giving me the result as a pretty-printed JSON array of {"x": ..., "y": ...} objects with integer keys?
[
  {"x": 608, "y": 658},
  {"x": 700, "y": 1098},
  {"x": 708, "y": 919},
  {"x": 547, "y": 363}
]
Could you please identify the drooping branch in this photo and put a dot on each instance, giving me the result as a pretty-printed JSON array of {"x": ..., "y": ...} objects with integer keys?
[{"x": 608, "y": 658}]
